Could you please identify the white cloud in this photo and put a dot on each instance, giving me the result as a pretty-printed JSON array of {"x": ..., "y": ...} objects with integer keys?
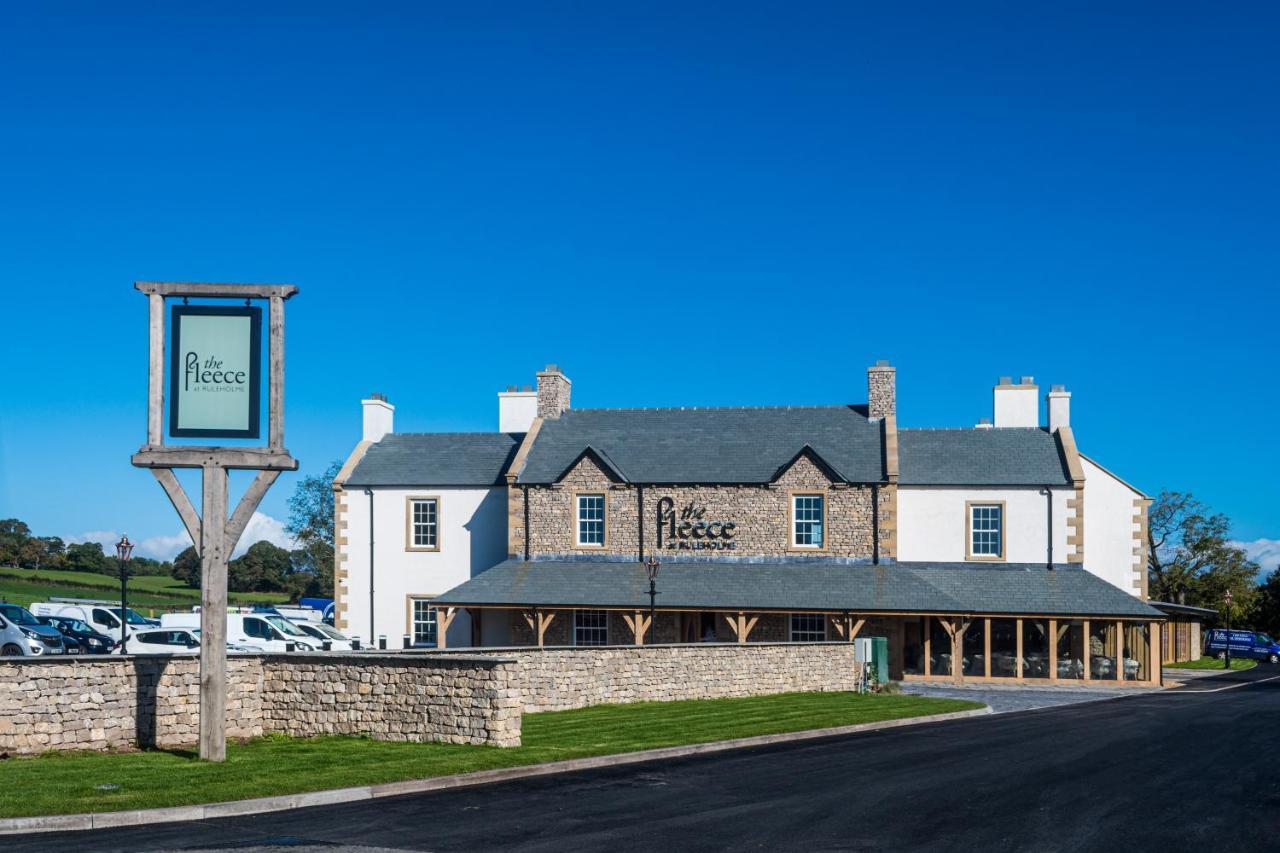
[
  {"x": 1264, "y": 552},
  {"x": 106, "y": 538},
  {"x": 263, "y": 527},
  {"x": 260, "y": 527}
]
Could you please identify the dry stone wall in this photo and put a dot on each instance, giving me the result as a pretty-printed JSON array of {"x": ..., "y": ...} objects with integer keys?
[
  {"x": 558, "y": 679},
  {"x": 119, "y": 703}
]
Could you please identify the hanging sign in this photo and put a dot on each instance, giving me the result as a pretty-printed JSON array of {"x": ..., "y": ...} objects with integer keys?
[{"x": 215, "y": 371}]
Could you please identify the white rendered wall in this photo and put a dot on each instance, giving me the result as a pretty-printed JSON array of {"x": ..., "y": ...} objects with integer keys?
[
  {"x": 933, "y": 524},
  {"x": 1109, "y": 529},
  {"x": 472, "y": 537}
]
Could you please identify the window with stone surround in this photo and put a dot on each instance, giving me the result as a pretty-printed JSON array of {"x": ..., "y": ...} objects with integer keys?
[
  {"x": 423, "y": 616},
  {"x": 590, "y": 533},
  {"x": 986, "y": 531},
  {"x": 808, "y": 628},
  {"x": 808, "y": 515},
  {"x": 590, "y": 628},
  {"x": 424, "y": 524}
]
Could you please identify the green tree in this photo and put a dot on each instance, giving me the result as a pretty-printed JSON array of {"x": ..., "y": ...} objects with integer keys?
[
  {"x": 263, "y": 568},
  {"x": 311, "y": 525},
  {"x": 88, "y": 557},
  {"x": 186, "y": 567},
  {"x": 13, "y": 538},
  {"x": 1191, "y": 561}
]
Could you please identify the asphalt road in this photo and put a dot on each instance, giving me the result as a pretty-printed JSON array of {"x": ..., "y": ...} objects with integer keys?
[{"x": 1193, "y": 769}]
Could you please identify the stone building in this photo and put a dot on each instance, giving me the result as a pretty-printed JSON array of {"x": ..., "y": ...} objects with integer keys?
[{"x": 993, "y": 552}]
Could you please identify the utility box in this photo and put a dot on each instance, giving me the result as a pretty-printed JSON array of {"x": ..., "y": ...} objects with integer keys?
[{"x": 880, "y": 659}]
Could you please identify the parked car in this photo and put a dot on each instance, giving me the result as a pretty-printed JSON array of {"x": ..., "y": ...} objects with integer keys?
[
  {"x": 165, "y": 641},
  {"x": 261, "y": 631},
  {"x": 13, "y": 643},
  {"x": 102, "y": 617},
  {"x": 324, "y": 633},
  {"x": 41, "y": 639},
  {"x": 1243, "y": 644},
  {"x": 87, "y": 640}
]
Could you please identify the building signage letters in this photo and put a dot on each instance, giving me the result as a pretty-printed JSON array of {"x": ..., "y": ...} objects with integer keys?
[
  {"x": 689, "y": 530},
  {"x": 214, "y": 386}
]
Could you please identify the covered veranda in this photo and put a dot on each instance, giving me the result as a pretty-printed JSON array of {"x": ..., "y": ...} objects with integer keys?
[{"x": 951, "y": 622}]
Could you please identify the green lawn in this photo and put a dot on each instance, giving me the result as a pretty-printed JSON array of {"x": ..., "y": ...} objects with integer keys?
[
  {"x": 67, "y": 783},
  {"x": 23, "y": 586},
  {"x": 1212, "y": 663}
]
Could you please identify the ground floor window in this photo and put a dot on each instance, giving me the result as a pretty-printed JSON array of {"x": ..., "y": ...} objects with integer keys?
[
  {"x": 1071, "y": 644},
  {"x": 808, "y": 628},
  {"x": 913, "y": 646},
  {"x": 424, "y": 623},
  {"x": 1137, "y": 651},
  {"x": 590, "y": 628},
  {"x": 1104, "y": 654},
  {"x": 939, "y": 647}
]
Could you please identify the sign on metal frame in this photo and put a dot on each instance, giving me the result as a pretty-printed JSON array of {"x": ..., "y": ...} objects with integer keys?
[{"x": 215, "y": 385}]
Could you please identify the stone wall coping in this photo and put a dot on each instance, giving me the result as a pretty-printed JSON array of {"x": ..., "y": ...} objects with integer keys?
[
  {"x": 727, "y": 644},
  {"x": 363, "y": 656}
]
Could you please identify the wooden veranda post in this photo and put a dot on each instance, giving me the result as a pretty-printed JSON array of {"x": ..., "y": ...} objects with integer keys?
[{"x": 211, "y": 531}]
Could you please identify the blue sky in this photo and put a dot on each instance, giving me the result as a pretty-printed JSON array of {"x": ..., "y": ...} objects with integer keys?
[{"x": 680, "y": 203}]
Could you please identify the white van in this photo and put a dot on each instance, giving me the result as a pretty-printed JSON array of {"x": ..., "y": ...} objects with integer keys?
[
  {"x": 102, "y": 616},
  {"x": 338, "y": 642},
  {"x": 264, "y": 632}
]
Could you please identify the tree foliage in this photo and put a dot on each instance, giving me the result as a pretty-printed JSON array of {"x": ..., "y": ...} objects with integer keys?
[
  {"x": 311, "y": 525},
  {"x": 1192, "y": 561}
]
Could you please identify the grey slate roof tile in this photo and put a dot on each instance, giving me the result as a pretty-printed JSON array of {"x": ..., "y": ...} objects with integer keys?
[
  {"x": 903, "y": 587},
  {"x": 438, "y": 459},
  {"x": 980, "y": 457},
  {"x": 742, "y": 445}
]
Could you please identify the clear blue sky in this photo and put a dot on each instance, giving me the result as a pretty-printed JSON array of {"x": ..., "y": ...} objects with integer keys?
[{"x": 679, "y": 203}]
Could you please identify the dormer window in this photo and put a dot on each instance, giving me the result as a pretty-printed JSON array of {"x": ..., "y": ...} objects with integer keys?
[
  {"x": 808, "y": 521},
  {"x": 986, "y": 531},
  {"x": 591, "y": 527}
]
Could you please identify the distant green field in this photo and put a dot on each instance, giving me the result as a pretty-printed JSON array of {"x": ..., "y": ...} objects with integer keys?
[{"x": 154, "y": 592}]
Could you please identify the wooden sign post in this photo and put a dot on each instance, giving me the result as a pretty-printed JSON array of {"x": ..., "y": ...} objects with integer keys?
[{"x": 215, "y": 394}]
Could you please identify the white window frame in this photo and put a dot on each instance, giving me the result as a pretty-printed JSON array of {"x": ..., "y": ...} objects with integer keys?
[
  {"x": 415, "y": 619},
  {"x": 990, "y": 511},
  {"x": 429, "y": 527},
  {"x": 803, "y": 630},
  {"x": 579, "y": 519},
  {"x": 586, "y": 635},
  {"x": 796, "y": 521}
]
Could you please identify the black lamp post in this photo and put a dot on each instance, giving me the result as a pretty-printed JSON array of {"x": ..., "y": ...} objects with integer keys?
[
  {"x": 1226, "y": 658},
  {"x": 652, "y": 566},
  {"x": 124, "y": 550}
]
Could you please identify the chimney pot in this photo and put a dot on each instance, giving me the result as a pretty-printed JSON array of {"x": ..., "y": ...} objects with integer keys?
[
  {"x": 1028, "y": 380},
  {"x": 1005, "y": 380}
]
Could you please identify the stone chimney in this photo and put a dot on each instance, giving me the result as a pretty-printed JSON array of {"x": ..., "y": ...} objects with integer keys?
[
  {"x": 1017, "y": 405},
  {"x": 553, "y": 392},
  {"x": 1059, "y": 407},
  {"x": 379, "y": 417},
  {"x": 882, "y": 391},
  {"x": 517, "y": 407}
]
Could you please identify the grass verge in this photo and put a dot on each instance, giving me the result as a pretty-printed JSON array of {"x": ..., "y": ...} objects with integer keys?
[
  {"x": 67, "y": 783},
  {"x": 1212, "y": 663}
]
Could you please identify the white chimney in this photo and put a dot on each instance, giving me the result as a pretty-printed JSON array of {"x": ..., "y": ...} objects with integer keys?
[
  {"x": 379, "y": 417},
  {"x": 1059, "y": 407},
  {"x": 517, "y": 409},
  {"x": 1017, "y": 405}
]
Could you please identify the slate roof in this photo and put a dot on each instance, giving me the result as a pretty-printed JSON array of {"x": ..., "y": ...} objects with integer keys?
[
  {"x": 731, "y": 445},
  {"x": 903, "y": 587},
  {"x": 437, "y": 459},
  {"x": 980, "y": 457}
]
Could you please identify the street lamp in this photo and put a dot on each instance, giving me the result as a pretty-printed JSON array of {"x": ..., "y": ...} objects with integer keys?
[
  {"x": 1226, "y": 658},
  {"x": 124, "y": 550},
  {"x": 652, "y": 567}
]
